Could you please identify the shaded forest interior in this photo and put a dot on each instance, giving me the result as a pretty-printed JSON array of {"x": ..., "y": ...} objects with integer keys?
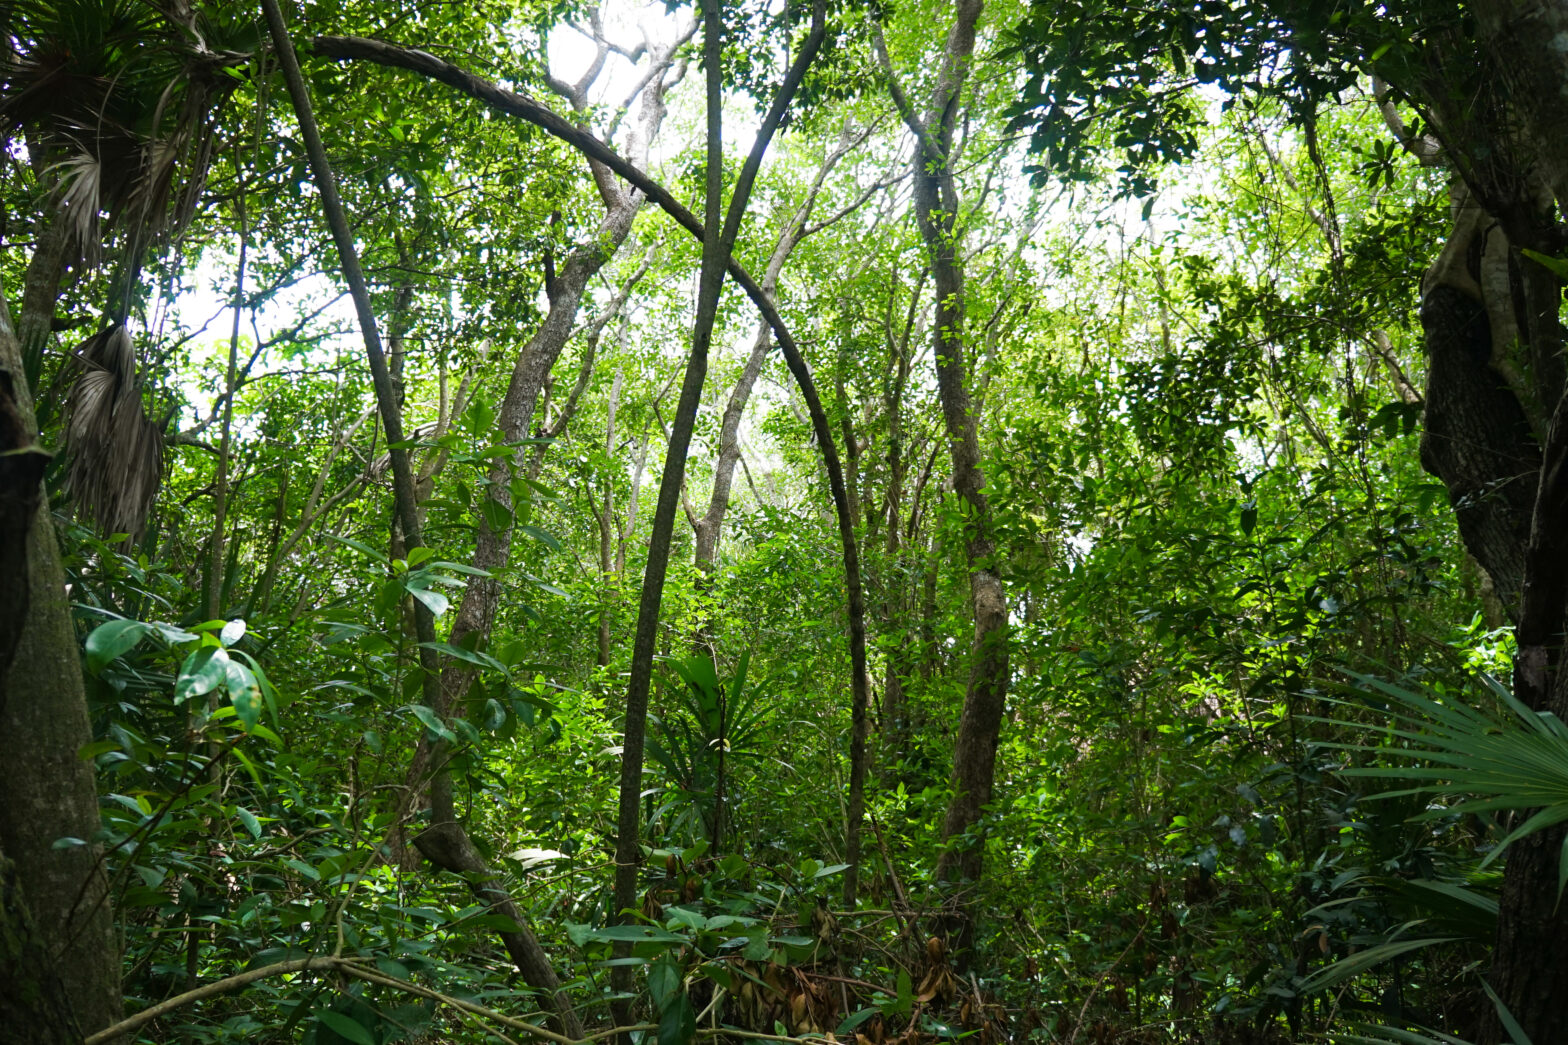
[{"x": 536, "y": 520}]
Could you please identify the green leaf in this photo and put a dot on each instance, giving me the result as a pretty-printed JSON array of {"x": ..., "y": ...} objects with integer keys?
[
  {"x": 543, "y": 537},
  {"x": 244, "y": 693},
  {"x": 497, "y": 516},
  {"x": 483, "y": 660},
  {"x": 232, "y": 632},
  {"x": 432, "y": 722},
  {"x": 1557, "y": 267},
  {"x": 634, "y": 934},
  {"x": 396, "y": 970},
  {"x": 248, "y": 818},
  {"x": 112, "y": 638},
  {"x": 433, "y": 601},
  {"x": 344, "y": 1027},
  {"x": 1361, "y": 961},
  {"x": 677, "y": 1022},
  {"x": 1510, "y": 1024},
  {"x": 457, "y": 567},
  {"x": 203, "y": 671},
  {"x": 363, "y": 549},
  {"x": 855, "y": 1019}
]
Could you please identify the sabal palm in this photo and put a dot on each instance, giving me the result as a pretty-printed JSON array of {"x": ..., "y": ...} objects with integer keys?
[{"x": 117, "y": 101}]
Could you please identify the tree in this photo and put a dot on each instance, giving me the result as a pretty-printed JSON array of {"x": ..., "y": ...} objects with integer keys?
[
  {"x": 938, "y": 211},
  {"x": 51, "y": 863},
  {"x": 1490, "y": 301}
]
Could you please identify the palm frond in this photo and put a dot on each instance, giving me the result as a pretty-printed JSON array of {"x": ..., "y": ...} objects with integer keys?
[
  {"x": 1516, "y": 759},
  {"x": 114, "y": 450},
  {"x": 122, "y": 96}
]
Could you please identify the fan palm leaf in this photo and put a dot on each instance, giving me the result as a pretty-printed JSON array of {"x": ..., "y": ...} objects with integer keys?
[
  {"x": 114, "y": 450},
  {"x": 1513, "y": 760},
  {"x": 117, "y": 95}
]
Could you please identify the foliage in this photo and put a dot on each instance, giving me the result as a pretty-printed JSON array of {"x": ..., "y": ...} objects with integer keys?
[{"x": 1199, "y": 418}]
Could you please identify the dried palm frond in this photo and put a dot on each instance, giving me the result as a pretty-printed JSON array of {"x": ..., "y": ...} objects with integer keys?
[
  {"x": 114, "y": 451},
  {"x": 81, "y": 194}
]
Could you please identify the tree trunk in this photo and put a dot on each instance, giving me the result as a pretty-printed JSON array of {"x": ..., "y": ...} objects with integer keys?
[
  {"x": 718, "y": 241},
  {"x": 34, "y": 1006},
  {"x": 937, "y": 205},
  {"x": 46, "y": 791},
  {"x": 1497, "y": 418},
  {"x": 711, "y": 522},
  {"x": 481, "y": 598}
]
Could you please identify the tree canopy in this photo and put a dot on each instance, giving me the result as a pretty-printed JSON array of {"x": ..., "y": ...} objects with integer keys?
[{"x": 796, "y": 521}]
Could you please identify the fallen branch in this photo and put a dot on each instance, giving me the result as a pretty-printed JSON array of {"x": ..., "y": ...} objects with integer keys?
[{"x": 347, "y": 967}]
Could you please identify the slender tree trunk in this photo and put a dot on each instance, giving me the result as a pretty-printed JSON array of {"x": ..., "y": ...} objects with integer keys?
[
  {"x": 526, "y": 953},
  {"x": 628, "y": 826},
  {"x": 937, "y": 204},
  {"x": 261, "y": 598},
  {"x": 608, "y": 584},
  {"x": 220, "y": 482},
  {"x": 895, "y": 608},
  {"x": 718, "y": 241}
]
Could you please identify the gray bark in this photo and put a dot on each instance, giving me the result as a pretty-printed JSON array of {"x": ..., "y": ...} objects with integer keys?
[
  {"x": 708, "y": 525},
  {"x": 46, "y": 792},
  {"x": 937, "y": 205}
]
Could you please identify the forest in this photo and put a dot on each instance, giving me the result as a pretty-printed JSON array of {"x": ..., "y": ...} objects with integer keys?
[{"x": 698, "y": 522}]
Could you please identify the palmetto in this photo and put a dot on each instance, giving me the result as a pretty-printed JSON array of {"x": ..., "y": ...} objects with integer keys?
[{"x": 714, "y": 722}]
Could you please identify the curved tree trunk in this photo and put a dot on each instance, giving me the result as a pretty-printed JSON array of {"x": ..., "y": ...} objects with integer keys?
[
  {"x": 476, "y": 609},
  {"x": 521, "y": 106},
  {"x": 529, "y": 957},
  {"x": 708, "y": 526}
]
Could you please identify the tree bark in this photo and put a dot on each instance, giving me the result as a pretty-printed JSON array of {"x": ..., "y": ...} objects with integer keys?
[
  {"x": 1496, "y": 420},
  {"x": 937, "y": 204},
  {"x": 46, "y": 791},
  {"x": 34, "y": 1006},
  {"x": 474, "y": 619},
  {"x": 709, "y": 524}
]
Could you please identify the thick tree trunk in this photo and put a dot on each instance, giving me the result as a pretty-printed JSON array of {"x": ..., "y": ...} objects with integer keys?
[
  {"x": 1513, "y": 519},
  {"x": 1497, "y": 423},
  {"x": 34, "y": 1006},
  {"x": 46, "y": 791}
]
